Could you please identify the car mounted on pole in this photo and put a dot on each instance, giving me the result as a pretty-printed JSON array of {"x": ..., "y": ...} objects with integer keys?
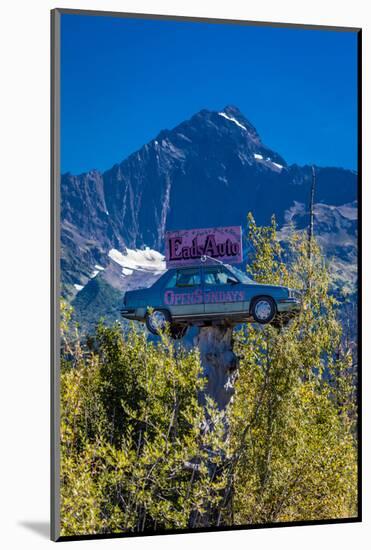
[{"x": 208, "y": 294}]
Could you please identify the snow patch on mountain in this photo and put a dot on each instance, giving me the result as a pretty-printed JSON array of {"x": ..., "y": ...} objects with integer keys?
[
  {"x": 268, "y": 161},
  {"x": 78, "y": 287},
  {"x": 232, "y": 119},
  {"x": 146, "y": 260}
]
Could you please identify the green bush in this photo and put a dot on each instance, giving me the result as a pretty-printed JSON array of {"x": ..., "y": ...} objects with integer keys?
[{"x": 135, "y": 454}]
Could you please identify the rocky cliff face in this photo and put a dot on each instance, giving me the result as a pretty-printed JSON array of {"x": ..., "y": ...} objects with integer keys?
[{"x": 208, "y": 171}]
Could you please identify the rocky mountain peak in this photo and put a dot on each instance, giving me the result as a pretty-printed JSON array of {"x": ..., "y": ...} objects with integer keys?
[
  {"x": 209, "y": 170},
  {"x": 234, "y": 115}
]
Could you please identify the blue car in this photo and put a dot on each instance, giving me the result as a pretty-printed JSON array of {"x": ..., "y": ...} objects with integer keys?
[{"x": 205, "y": 294}]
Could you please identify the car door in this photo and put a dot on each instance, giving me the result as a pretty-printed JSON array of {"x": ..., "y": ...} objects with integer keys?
[
  {"x": 183, "y": 293},
  {"x": 223, "y": 292}
]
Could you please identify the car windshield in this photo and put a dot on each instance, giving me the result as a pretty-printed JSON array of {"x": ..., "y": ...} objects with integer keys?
[
  {"x": 219, "y": 276},
  {"x": 241, "y": 275}
]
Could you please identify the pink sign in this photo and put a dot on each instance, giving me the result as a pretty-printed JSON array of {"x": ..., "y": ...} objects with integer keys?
[{"x": 192, "y": 246}]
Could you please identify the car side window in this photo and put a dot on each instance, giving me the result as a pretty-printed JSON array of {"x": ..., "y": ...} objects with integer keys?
[
  {"x": 188, "y": 277},
  {"x": 172, "y": 281},
  {"x": 210, "y": 277},
  {"x": 219, "y": 276}
]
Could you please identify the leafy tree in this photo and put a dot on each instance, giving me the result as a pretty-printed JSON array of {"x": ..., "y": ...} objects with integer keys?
[
  {"x": 293, "y": 450},
  {"x": 136, "y": 452}
]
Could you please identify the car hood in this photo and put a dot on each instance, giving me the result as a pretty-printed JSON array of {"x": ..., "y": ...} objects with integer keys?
[{"x": 270, "y": 287}]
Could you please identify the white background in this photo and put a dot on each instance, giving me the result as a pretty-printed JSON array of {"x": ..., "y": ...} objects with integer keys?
[{"x": 24, "y": 253}]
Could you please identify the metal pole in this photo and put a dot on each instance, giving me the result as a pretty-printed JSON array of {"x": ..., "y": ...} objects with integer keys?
[{"x": 311, "y": 214}]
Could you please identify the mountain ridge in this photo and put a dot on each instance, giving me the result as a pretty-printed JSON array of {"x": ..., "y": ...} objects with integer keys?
[{"x": 209, "y": 170}]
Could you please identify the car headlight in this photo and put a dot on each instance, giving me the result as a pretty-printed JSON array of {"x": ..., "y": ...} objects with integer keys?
[{"x": 294, "y": 294}]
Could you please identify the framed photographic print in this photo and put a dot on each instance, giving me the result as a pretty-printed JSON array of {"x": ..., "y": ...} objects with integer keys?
[{"x": 206, "y": 188}]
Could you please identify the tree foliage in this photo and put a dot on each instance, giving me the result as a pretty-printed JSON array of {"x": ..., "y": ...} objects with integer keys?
[
  {"x": 137, "y": 451},
  {"x": 294, "y": 454}
]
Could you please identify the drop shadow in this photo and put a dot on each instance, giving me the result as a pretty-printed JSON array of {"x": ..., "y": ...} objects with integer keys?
[{"x": 41, "y": 528}]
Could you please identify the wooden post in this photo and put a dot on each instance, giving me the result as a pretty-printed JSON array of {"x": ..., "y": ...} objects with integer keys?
[
  {"x": 220, "y": 368},
  {"x": 219, "y": 363}
]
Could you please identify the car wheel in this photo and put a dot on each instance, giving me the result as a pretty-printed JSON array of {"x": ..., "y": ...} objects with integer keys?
[
  {"x": 263, "y": 310},
  {"x": 177, "y": 331},
  {"x": 156, "y": 321}
]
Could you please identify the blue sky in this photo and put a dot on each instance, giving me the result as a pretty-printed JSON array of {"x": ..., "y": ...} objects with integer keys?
[{"x": 124, "y": 80}]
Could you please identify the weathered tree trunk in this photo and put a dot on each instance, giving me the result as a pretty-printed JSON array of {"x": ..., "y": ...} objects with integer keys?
[
  {"x": 219, "y": 363},
  {"x": 220, "y": 368}
]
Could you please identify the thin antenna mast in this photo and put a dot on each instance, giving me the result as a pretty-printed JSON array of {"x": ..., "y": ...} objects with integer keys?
[{"x": 311, "y": 214}]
